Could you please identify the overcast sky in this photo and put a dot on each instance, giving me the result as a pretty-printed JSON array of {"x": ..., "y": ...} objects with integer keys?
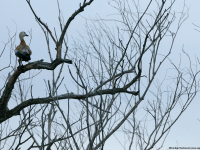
[{"x": 16, "y": 15}]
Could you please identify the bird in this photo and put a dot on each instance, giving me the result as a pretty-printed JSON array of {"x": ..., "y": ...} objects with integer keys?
[{"x": 23, "y": 51}]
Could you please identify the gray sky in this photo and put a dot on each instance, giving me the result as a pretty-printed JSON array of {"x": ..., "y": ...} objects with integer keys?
[{"x": 16, "y": 15}]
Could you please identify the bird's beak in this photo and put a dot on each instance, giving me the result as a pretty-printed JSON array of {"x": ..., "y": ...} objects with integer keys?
[{"x": 26, "y": 35}]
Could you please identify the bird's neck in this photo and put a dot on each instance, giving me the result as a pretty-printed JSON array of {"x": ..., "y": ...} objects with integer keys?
[{"x": 23, "y": 42}]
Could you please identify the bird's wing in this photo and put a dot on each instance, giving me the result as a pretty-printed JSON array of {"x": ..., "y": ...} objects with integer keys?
[
  {"x": 24, "y": 56},
  {"x": 23, "y": 49},
  {"x": 28, "y": 48},
  {"x": 23, "y": 52},
  {"x": 19, "y": 54},
  {"x": 18, "y": 48}
]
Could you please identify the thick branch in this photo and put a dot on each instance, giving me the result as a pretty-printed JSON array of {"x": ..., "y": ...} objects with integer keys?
[
  {"x": 34, "y": 65},
  {"x": 46, "y": 100}
]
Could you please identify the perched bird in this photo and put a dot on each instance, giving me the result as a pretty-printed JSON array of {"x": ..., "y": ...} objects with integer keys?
[{"x": 23, "y": 51}]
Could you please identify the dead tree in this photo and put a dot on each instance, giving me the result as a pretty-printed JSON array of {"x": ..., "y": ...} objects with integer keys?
[{"x": 114, "y": 72}]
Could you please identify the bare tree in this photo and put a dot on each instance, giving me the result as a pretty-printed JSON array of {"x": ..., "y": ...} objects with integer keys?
[{"x": 115, "y": 71}]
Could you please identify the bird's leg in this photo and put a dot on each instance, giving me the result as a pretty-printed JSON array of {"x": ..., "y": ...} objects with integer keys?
[{"x": 19, "y": 62}]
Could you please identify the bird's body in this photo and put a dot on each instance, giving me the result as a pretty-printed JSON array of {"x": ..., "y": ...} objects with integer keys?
[{"x": 23, "y": 51}]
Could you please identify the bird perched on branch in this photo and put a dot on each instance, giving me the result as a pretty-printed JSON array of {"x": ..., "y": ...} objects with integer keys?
[{"x": 23, "y": 51}]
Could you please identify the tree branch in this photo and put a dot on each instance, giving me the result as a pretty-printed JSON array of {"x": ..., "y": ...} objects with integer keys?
[
  {"x": 81, "y": 8},
  {"x": 47, "y": 100},
  {"x": 34, "y": 65},
  {"x": 39, "y": 20}
]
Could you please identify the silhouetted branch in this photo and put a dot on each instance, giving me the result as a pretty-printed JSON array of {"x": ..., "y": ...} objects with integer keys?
[
  {"x": 10, "y": 84},
  {"x": 59, "y": 45}
]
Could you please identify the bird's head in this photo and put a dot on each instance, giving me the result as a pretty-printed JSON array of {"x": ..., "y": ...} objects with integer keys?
[{"x": 22, "y": 34}]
